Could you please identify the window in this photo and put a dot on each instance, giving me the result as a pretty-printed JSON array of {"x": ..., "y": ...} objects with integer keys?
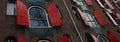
[
  {"x": 11, "y": 7},
  {"x": 80, "y": 3},
  {"x": 38, "y": 17},
  {"x": 89, "y": 37},
  {"x": 84, "y": 8},
  {"x": 76, "y": 12},
  {"x": 102, "y": 38},
  {"x": 43, "y": 41},
  {"x": 10, "y": 39}
]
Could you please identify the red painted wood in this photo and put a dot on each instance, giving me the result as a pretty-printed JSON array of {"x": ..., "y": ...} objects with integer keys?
[
  {"x": 99, "y": 18},
  {"x": 22, "y": 14},
  {"x": 112, "y": 37},
  {"x": 89, "y": 2},
  {"x": 21, "y": 40},
  {"x": 64, "y": 39},
  {"x": 54, "y": 17}
]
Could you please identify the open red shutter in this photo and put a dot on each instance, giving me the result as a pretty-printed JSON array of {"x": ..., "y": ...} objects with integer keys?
[
  {"x": 64, "y": 39},
  {"x": 112, "y": 37},
  {"x": 22, "y": 14},
  {"x": 99, "y": 18},
  {"x": 21, "y": 40},
  {"x": 54, "y": 17},
  {"x": 89, "y": 2}
]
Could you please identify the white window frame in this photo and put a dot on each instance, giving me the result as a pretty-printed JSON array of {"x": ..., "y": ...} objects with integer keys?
[
  {"x": 45, "y": 14},
  {"x": 11, "y": 9}
]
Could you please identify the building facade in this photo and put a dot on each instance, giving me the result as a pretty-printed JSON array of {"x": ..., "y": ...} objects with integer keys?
[{"x": 31, "y": 20}]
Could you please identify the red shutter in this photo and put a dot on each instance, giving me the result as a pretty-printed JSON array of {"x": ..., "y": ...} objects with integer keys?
[
  {"x": 64, "y": 39},
  {"x": 89, "y": 2},
  {"x": 54, "y": 17},
  {"x": 99, "y": 18},
  {"x": 21, "y": 40},
  {"x": 112, "y": 37},
  {"x": 22, "y": 14}
]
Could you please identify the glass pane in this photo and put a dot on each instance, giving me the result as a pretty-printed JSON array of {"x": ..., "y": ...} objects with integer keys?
[
  {"x": 37, "y": 13},
  {"x": 10, "y": 9},
  {"x": 38, "y": 17},
  {"x": 80, "y": 3},
  {"x": 84, "y": 7},
  {"x": 87, "y": 18},
  {"x": 34, "y": 23},
  {"x": 41, "y": 23}
]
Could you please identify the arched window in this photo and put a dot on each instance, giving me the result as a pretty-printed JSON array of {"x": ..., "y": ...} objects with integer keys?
[
  {"x": 10, "y": 39},
  {"x": 102, "y": 38},
  {"x": 11, "y": 6},
  {"x": 89, "y": 37},
  {"x": 43, "y": 40},
  {"x": 76, "y": 12},
  {"x": 38, "y": 17}
]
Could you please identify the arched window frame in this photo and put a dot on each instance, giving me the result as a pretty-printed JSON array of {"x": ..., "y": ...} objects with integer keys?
[{"x": 45, "y": 15}]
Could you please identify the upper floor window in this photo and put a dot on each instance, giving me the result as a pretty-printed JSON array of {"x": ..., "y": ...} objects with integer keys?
[
  {"x": 38, "y": 17},
  {"x": 35, "y": 2},
  {"x": 10, "y": 39},
  {"x": 11, "y": 7}
]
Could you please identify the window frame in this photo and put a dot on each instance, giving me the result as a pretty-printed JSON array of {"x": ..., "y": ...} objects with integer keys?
[
  {"x": 48, "y": 23},
  {"x": 9, "y": 3}
]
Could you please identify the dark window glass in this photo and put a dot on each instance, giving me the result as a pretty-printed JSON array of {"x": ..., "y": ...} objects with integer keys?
[
  {"x": 10, "y": 39},
  {"x": 38, "y": 17},
  {"x": 76, "y": 12},
  {"x": 89, "y": 37}
]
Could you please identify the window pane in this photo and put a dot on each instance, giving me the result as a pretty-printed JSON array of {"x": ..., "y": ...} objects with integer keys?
[
  {"x": 10, "y": 9},
  {"x": 37, "y": 13},
  {"x": 80, "y": 3},
  {"x": 34, "y": 23},
  {"x": 43, "y": 23},
  {"x": 38, "y": 17},
  {"x": 84, "y": 8}
]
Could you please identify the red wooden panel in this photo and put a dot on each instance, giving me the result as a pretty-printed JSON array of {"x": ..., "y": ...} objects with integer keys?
[
  {"x": 54, "y": 17},
  {"x": 21, "y": 40},
  {"x": 99, "y": 18},
  {"x": 22, "y": 14},
  {"x": 112, "y": 37},
  {"x": 89, "y": 2},
  {"x": 64, "y": 39}
]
